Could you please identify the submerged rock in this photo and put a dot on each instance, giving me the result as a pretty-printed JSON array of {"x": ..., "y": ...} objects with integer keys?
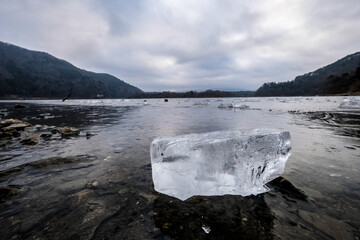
[
  {"x": 92, "y": 184},
  {"x": 8, "y": 122},
  {"x": 80, "y": 197},
  {"x": 31, "y": 140},
  {"x": 5, "y": 135},
  {"x": 46, "y": 136},
  {"x": 8, "y": 191},
  {"x": 15, "y": 133},
  {"x": 17, "y": 127},
  {"x": 88, "y": 135},
  {"x": 54, "y": 131},
  {"x": 59, "y": 160},
  {"x": 285, "y": 187},
  {"x": 9, "y": 128},
  {"x": 4, "y": 143},
  {"x": 68, "y": 131},
  {"x": 225, "y": 217},
  {"x": 7, "y": 172}
]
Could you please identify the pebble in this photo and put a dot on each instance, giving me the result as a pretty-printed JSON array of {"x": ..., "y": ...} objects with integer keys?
[{"x": 93, "y": 184}]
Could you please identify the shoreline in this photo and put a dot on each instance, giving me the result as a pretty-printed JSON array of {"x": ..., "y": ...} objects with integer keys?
[{"x": 164, "y": 95}]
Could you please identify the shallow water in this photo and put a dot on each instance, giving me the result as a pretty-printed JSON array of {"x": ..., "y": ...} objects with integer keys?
[{"x": 108, "y": 193}]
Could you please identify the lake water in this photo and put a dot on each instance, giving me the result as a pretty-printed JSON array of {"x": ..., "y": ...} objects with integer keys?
[{"x": 107, "y": 192}]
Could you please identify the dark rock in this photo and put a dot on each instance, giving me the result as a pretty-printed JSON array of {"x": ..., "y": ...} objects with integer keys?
[
  {"x": 166, "y": 100},
  {"x": 4, "y": 143},
  {"x": 39, "y": 127},
  {"x": 215, "y": 217},
  {"x": 67, "y": 132},
  {"x": 147, "y": 167},
  {"x": 15, "y": 134},
  {"x": 46, "y": 136},
  {"x": 54, "y": 131},
  {"x": 292, "y": 223},
  {"x": 17, "y": 126},
  {"x": 89, "y": 134},
  {"x": 59, "y": 160},
  {"x": 10, "y": 171},
  {"x": 31, "y": 140},
  {"x": 8, "y": 122},
  {"x": 80, "y": 197},
  {"x": 8, "y": 191},
  {"x": 92, "y": 184},
  {"x": 286, "y": 188},
  {"x": 351, "y": 148},
  {"x": 19, "y": 106},
  {"x": 5, "y": 135}
]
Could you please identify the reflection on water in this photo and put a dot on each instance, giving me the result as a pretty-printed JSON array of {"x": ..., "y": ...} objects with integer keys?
[
  {"x": 343, "y": 123},
  {"x": 72, "y": 115},
  {"x": 100, "y": 185},
  {"x": 91, "y": 120}
]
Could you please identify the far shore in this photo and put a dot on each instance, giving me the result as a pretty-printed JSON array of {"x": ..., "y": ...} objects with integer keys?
[{"x": 247, "y": 94}]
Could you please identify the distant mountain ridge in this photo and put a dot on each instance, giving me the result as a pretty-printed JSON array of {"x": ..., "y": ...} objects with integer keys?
[
  {"x": 312, "y": 83},
  {"x": 26, "y": 73},
  {"x": 194, "y": 94},
  {"x": 347, "y": 83}
]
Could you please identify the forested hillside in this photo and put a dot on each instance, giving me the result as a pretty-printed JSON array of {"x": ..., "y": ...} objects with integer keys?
[
  {"x": 312, "y": 83},
  {"x": 25, "y": 73}
]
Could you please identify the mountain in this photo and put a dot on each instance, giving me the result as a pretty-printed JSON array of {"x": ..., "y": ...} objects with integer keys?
[
  {"x": 347, "y": 83},
  {"x": 312, "y": 83},
  {"x": 25, "y": 73}
]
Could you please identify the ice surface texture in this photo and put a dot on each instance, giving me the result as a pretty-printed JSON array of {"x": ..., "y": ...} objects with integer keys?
[
  {"x": 218, "y": 163},
  {"x": 355, "y": 104}
]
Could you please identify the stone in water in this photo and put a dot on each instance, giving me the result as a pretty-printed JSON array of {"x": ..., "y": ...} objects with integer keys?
[{"x": 218, "y": 163}]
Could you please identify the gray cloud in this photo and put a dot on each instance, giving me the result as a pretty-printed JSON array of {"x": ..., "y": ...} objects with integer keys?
[{"x": 183, "y": 44}]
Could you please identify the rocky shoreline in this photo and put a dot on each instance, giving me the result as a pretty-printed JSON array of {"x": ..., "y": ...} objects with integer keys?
[{"x": 14, "y": 131}]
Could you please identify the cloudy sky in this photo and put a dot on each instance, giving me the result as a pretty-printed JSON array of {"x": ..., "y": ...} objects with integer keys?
[{"x": 188, "y": 44}]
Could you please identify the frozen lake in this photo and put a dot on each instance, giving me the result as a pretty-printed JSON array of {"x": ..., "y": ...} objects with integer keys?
[{"x": 109, "y": 191}]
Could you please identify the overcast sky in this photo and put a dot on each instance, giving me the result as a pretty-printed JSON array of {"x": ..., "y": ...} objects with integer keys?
[{"x": 183, "y": 45}]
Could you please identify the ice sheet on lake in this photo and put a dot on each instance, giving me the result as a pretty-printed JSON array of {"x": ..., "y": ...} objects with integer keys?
[
  {"x": 350, "y": 104},
  {"x": 218, "y": 163}
]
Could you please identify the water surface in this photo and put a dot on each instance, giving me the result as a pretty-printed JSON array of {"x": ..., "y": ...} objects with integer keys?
[{"x": 102, "y": 187}]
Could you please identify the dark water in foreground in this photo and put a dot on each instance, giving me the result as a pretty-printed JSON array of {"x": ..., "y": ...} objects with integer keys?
[{"x": 98, "y": 185}]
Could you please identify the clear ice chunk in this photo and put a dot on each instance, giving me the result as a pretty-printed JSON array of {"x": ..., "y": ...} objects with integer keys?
[
  {"x": 240, "y": 105},
  {"x": 218, "y": 163}
]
